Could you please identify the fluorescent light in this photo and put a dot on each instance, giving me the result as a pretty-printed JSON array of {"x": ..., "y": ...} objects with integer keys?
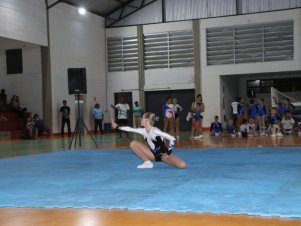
[{"x": 82, "y": 11}]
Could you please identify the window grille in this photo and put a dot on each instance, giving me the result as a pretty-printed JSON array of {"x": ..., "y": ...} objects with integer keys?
[
  {"x": 169, "y": 49},
  {"x": 122, "y": 53},
  {"x": 250, "y": 43}
]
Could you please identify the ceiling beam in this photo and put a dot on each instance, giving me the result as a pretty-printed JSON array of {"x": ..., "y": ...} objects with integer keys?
[
  {"x": 124, "y": 4},
  {"x": 121, "y": 16},
  {"x": 53, "y": 4}
]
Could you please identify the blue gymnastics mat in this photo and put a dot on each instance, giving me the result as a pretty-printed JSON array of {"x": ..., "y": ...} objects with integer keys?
[{"x": 254, "y": 181}]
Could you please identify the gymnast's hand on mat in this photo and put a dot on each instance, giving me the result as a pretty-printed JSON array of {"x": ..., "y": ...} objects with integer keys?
[
  {"x": 164, "y": 156},
  {"x": 114, "y": 124}
]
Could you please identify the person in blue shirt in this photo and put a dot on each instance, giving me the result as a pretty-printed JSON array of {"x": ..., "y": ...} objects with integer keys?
[
  {"x": 98, "y": 116},
  {"x": 261, "y": 113},
  {"x": 216, "y": 127},
  {"x": 252, "y": 109},
  {"x": 240, "y": 112},
  {"x": 274, "y": 121},
  {"x": 231, "y": 128},
  {"x": 168, "y": 116},
  {"x": 284, "y": 107}
]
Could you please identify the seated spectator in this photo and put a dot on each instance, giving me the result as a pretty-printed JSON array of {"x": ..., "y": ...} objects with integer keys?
[
  {"x": 231, "y": 128},
  {"x": 39, "y": 125},
  {"x": 252, "y": 127},
  {"x": 216, "y": 127},
  {"x": 287, "y": 124},
  {"x": 274, "y": 123},
  {"x": 299, "y": 128},
  {"x": 17, "y": 107},
  {"x": 244, "y": 128},
  {"x": 2, "y": 118}
]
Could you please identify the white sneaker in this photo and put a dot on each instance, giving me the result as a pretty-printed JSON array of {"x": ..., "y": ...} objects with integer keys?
[
  {"x": 299, "y": 133},
  {"x": 279, "y": 135},
  {"x": 239, "y": 134},
  {"x": 273, "y": 135},
  {"x": 199, "y": 137},
  {"x": 178, "y": 137},
  {"x": 146, "y": 165}
]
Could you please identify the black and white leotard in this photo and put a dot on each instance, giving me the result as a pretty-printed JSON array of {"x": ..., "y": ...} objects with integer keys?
[{"x": 155, "y": 140}]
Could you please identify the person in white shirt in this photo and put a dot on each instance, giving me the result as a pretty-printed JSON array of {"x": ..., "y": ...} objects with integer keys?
[
  {"x": 287, "y": 124},
  {"x": 244, "y": 128},
  {"x": 156, "y": 148},
  {"x": 122, "y": 109},
  {"x": 234, "y": 106},
  {"x": 252, "y": 127}
]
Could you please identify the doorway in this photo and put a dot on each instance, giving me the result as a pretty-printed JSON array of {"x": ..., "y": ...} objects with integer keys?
[{"x": 154, "y": 101}]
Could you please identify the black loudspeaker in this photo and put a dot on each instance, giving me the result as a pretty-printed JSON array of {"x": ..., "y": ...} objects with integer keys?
[
  {"x": 14, "y": 62},
  {"x": 77, "y": 83}
]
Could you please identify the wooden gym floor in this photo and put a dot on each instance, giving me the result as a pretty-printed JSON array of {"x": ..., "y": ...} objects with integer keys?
[{"x": 99, "y": 217}]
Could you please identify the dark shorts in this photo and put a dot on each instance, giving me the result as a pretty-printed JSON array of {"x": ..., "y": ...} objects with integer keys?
[
  {"x": 122, "y": 122},
  {"x": 158, "y": 153}
]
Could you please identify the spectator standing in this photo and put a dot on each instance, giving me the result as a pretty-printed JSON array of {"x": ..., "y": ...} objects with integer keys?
[
  {"x": 137, "y": 113},
  {"x": 3, "y": 99},
  {"x": 261, "y": 113},
  {"x": 169, "y": 116},
  {"x": 240, "y": 112},
  {"x": 98, "y": 117},
  {"x": 197, "y": 109},
  {"x": 234, "y": 106},
  {"x": 122, "y": 109},
  {"x": 283, "y": 107},
  {"x": 231, "y": 128},
  {"x": 176, "y": 109},
  {"x": 65, "y": 112}
]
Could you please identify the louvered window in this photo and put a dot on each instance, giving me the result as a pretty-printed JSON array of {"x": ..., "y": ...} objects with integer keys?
[
  {"x": 250, "y": 43},
  {"x": 169, "y": 49},
  {"x": 122, "y": 53}
]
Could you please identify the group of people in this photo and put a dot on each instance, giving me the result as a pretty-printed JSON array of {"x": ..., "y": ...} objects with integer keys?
[
  {"x": 253, "y": 119},
  {"x": 171, "y": 115},
  {"x": 33, "y": 124},
  {"x": 14, "y": 105},
  {"x": 34, "y": 127}
]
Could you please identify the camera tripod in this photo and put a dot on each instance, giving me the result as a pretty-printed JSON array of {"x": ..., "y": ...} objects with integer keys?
[{"x": 77, "y": 132}]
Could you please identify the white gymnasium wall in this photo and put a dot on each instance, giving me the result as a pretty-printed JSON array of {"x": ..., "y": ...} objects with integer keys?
[
  {"x": 24, "y": 20},
  {"x": 155, "y": 79},
  {"x": 173, "y": 78},
  {"x": 76, "y": 41},
  {"x": 210, "y": 81},
  {"x": 28, "y": 85},
  {"x": 125, "y": 81}
]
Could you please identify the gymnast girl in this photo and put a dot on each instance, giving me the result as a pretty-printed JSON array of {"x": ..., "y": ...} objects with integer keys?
[{"x": 156, "y": 150}]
